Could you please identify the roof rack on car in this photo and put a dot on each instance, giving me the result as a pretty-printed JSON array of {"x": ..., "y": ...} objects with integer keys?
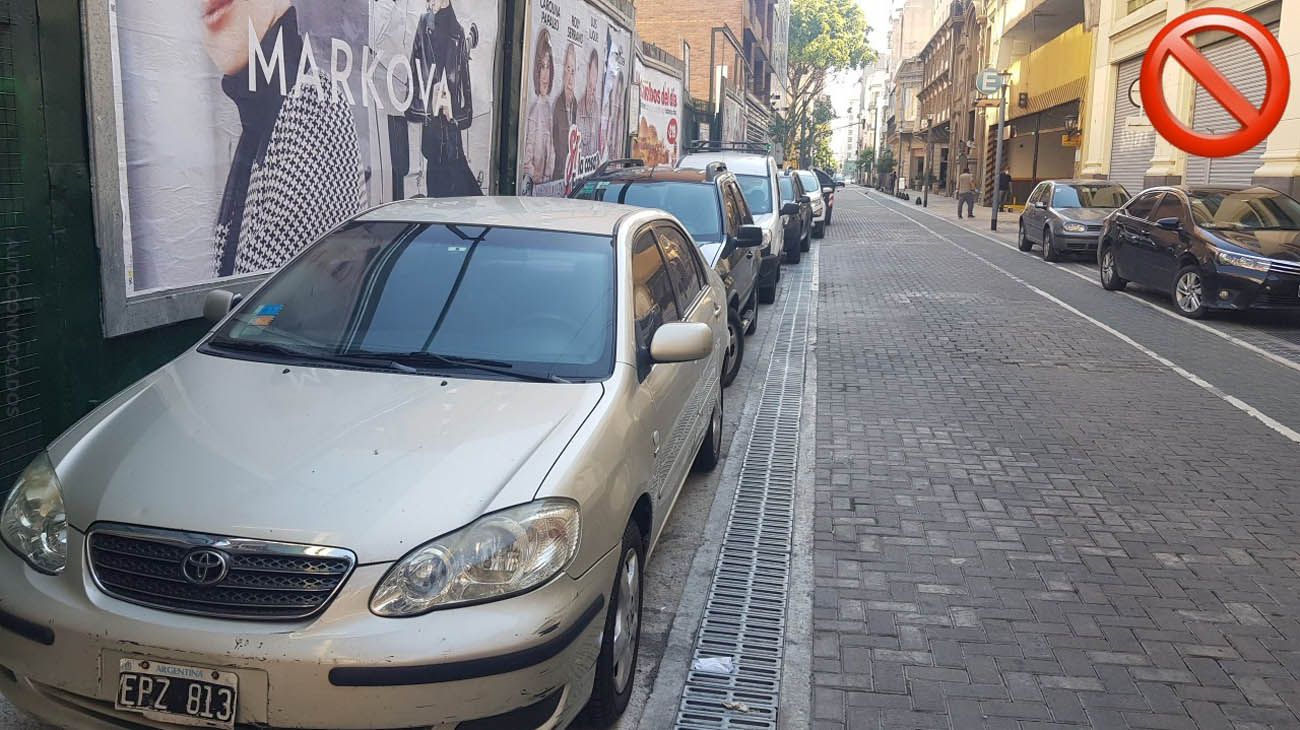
[
  {"x": 621, "y": 164},
  {"x": 713, "y": 145}
]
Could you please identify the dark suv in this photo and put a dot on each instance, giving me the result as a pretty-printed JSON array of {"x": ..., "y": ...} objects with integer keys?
[
  {"x": 796, "y": 215},
  {"x": 711, "y": 206}
]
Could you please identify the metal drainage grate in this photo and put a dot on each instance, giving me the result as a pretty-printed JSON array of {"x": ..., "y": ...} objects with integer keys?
[{"x": 744, "y": 617}]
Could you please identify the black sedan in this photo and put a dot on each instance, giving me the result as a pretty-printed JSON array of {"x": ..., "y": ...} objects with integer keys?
[
  {"x": 1064, "y": 216},
  {"x": 796, "y": 215},
  {"x": 1209, "y": 246}
]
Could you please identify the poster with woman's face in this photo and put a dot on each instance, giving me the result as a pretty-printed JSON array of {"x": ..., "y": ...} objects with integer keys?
[
  {"x": 248, "y": 128},
  {"x": 577, "y": 72}
]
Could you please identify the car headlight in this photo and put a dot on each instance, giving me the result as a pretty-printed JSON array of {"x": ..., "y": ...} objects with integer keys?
[
  {"x": 1228, "y": 258},
  {"x": 1073, "y": 227},
  {"x": 33, "y": 522},
  {"x": 498, "y": 555}
]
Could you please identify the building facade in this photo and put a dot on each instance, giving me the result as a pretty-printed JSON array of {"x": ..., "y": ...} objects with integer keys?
[{"x": 1118, "y": 140}]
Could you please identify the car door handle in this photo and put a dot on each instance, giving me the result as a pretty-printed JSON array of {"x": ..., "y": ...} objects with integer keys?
[
  {"x": 717, "y": 310},
  {"x": 654, "y": 438}
]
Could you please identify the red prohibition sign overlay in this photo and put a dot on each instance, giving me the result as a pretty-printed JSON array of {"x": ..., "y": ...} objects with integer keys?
[{"x": 1172, "y": 42}]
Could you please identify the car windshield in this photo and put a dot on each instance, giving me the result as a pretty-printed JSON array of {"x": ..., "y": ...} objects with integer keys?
[
  {"x": 1089, "y": 196},
  {"x": 787, "y": 189},
  {"x": 758, "y": 192},
  {"x": 694, "y": 204},
  {"x": 809, "y": 181},
  {"x": 1247, "y": 210},
  {"x": 533, "y": 303}
]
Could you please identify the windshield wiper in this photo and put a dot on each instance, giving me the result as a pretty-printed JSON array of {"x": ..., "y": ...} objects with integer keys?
[
  {"x": 270, "y": 348},
  {"x": 423, "y": 358}
]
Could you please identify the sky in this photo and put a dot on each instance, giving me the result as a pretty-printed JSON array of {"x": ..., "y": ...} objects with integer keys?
[{"x": 842, "y": 87}]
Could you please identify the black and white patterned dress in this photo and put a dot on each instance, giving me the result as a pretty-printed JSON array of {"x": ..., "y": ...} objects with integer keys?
[{"x": 296, "y": 172}]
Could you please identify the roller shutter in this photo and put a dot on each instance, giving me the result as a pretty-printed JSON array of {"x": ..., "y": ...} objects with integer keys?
[
  {"x": 1131, "y": 147},
  {"x": 1239, "y": 63}
]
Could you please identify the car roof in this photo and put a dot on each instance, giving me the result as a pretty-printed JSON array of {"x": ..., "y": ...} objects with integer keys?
[
  {"x": 551, "y": 214},
  {"x": 740, "y": 163},
  {"x": 1083, "y": 181},
  {"x": 658, "y": 173}
]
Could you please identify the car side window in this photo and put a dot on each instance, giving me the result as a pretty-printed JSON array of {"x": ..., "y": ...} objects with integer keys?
[
  {"x": 1142, "y": 205},
  {"x": 654, "y": 302},
  {"x": 746, "y": 218},
  {"x": 682, "y": 269},
  {"x": 1039, "y": 194},
  {"x": 731, "y": 207},
  {"x": 1170, "y": 207}
]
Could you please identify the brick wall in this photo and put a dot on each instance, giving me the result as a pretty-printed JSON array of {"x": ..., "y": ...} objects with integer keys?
[{"x": 666, "y": 23}]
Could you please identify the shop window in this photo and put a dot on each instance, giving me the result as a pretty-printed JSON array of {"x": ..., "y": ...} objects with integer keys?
[{"x": 1133, "y": 5}]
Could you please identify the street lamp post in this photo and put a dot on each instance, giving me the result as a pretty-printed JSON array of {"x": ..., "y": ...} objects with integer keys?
[
  {"x": 925, "y": 178},
  {"x": 1003, "y": 77}
]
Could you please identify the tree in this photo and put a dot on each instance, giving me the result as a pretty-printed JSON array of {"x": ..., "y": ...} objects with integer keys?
[
  {"x": 825, "y": 36},
  {"x": 866, "y": 162},
  {"x": 885, "y": 164}
]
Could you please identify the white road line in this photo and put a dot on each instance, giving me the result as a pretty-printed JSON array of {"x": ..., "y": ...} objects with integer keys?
[
  {"x": 1156, "y": 307},
  {"x": 1231, "y": 400}
]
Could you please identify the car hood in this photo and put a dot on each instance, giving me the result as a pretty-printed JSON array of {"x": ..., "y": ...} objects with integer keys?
[
  {"x": 1273, "y": 244},
  {"x": 374, "y": 462},
  {"x": 711, "y": 252},
  {"x": 1085, "y": 215}
]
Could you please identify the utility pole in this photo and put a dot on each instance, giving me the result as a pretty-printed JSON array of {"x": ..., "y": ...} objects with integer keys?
[
  {"x": 997, "y": 165},
  {"x": 929, "y": 165}
]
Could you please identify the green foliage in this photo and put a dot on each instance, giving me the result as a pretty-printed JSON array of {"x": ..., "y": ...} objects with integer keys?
[
  {"x": 886, "y": 162},
  {"x": 828, "y": 35},
  {"x": 866, "y": 158}
]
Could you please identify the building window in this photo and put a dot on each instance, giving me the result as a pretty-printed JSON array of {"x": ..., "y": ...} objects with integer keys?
[{"x": 1133, "y": 5}]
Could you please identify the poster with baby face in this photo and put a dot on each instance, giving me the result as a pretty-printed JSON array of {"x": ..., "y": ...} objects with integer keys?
[
  {"x": 249, "y": 128},
  {"x": 577, "y": 72}
]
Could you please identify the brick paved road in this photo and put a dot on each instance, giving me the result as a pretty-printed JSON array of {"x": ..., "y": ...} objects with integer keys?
[{"x": 1023, "y": 521}]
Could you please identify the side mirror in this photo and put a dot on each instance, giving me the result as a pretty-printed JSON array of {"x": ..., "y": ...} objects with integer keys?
[
  {"x": 1169, "y": 224},
  {"x": 791, "y": 208},
  {"x": 827, "y": 190},
  {"x": 840, "y": 184},
  {"x": 805, "y": 199},
  {"x": 749, "y": 237},
  {"x": 681, "y": 342},
  {"x": 218, "y": 303},
  {"x": 1041, "y": 205}
]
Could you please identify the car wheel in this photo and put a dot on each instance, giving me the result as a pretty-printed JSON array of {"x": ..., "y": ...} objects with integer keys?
[
  {"x": 735, "y": 352},
  {"x": 1189, "y": 292},
  {"x": 1110, "y": 278},
  {"x": 767, "y": 294},
  {"x": 828, "y": 215},
  {"x": 1022, "y": 241},
  {"x": 710, "y": 452},
  {"x": 819, "y": 229},
  {"x": 793, "y": 253},
  {"x": 1050, "y": 254},
  {"x": 805, "y": 244},
  {"x": 621, "y": 642},
  {"x": 752, "y": 307}
]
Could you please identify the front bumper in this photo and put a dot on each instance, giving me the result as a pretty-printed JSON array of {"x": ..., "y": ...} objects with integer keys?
[
  {"x": 346, "y": 669},
  {"x": 1067, "y": 242},
  {"x": 1229, "y": 287}
]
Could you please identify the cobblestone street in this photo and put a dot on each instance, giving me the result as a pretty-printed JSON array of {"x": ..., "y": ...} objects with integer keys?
[{"x": 1040, "y": 504}]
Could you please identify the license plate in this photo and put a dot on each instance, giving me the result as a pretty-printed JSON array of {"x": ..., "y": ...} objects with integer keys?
[{"x": 177, "y": 694}]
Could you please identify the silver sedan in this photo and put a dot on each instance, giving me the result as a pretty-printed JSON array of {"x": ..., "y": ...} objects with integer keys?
[{"x": 411, "y": 481}]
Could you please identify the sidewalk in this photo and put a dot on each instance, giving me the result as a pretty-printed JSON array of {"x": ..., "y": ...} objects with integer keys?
[{"x": 946, "y": 207}]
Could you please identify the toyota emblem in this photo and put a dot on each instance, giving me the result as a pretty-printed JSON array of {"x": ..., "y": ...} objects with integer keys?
[{"x": 205, "y": 566}]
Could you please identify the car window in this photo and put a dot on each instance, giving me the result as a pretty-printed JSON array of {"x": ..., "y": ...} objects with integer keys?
[
  {"x": 681, "y": 267},
  {"x": 1253, "y": 209},
  {"x": 809, "y": 180},
  {"x": 787, "y": 189},
  {"x": 1142, "y": 205},
  {"x": 731, "y": 205},
  {"x": 694, "y": 204},
  {"x": 1088, "y": 196},
  {"x": 757, "y": 190},
  {"x": 1039, "y": 193},
  {"x": 1169, "y": 207},
  {"x": 542, "y": 301},
  {"x": 824, "y": 178},
  {"x": 654, "y": 302}
]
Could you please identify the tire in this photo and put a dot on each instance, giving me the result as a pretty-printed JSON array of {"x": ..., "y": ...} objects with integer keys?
[
  {"x": 805, "y": 244},
  {"x": 735, "y": 353},
  {"x": 828, "y": 215},
  {"x": 1022, "y": 241},
  {"x": 752, "y": 306},
  {"x": 710, "y": 452},
  {"x": 767, "y": 294},
  {"x": 1189, "y": 292},
  {"x": 615, "y": 666},
  {"x": 793, "y": 253},
  {"x": 1050, "y": 254},
  {"x": 819, "y": 229},
  {"x": 1110, "y": 278}
]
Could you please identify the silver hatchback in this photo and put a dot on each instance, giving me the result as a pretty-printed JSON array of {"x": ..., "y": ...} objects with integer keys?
[{"x": 411, "y": 481}]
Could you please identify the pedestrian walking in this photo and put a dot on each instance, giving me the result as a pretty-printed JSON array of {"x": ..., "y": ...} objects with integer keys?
[
  {"x": 1004, "y": 187},
  {"x": 966, "y": 193}
]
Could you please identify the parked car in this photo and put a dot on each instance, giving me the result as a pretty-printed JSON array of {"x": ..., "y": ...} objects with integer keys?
[
  {"x": 812, "y": 186},
  {"x": 411, "y": 481},
  {"x": 1210, "y": 246},
  {"x": 710, "y": 205},
  {"x": 829, "y": 183},
  {"x": 756, "y": 172},
  {"x": 1065, "y": 216},
  {"x": 796, "y": 215}
]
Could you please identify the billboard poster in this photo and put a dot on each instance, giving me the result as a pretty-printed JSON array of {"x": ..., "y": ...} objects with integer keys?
[
  {"x": 247, "y": 128},
  {"x": 658, "y": 132},
  {"x": 577, "y": 73}
]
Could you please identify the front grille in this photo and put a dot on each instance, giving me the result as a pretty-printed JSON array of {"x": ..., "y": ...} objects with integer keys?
[
  {"x": 252, "y": 579},
  {"x": 1284, "y": 267}
]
